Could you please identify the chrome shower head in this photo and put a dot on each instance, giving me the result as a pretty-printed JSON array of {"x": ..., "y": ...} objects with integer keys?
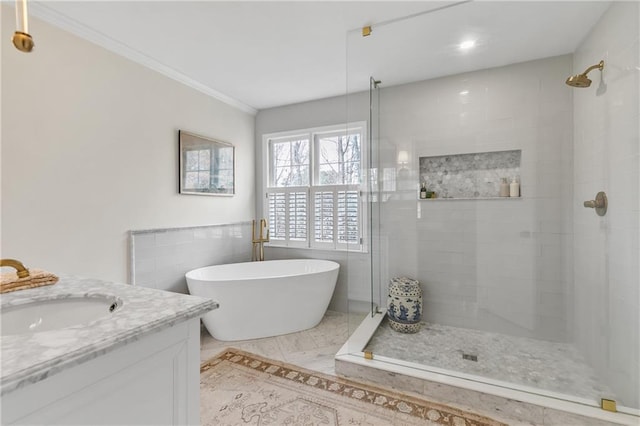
[{"x": 581, "y": 80}]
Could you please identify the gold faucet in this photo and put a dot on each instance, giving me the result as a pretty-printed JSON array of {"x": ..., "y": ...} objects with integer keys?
[
  {"x": 20, "y": 269},
  {"x": 258, "y": 243}
]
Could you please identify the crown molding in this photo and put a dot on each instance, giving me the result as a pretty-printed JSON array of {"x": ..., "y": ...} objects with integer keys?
[{"x": 42, "y": 11}]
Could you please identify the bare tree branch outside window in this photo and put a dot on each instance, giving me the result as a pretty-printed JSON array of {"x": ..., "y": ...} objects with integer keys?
[
  {"x": 340, "y": 159},
  {"x": 290, "y": 162}
]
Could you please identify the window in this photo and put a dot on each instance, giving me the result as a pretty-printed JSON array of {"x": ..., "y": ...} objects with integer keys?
[{"x": 313, "y": 187}]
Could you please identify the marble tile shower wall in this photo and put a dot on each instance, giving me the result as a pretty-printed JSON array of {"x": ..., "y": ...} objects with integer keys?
[
  {"x": 159, "y": 258},
  {"x": 607, "y": 248},
  {"x": 476, "y": 175},
  {"x": 499, "y": 265}
]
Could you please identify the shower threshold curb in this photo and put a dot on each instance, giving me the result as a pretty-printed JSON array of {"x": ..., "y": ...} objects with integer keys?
[{"x": 350, "y": 362}]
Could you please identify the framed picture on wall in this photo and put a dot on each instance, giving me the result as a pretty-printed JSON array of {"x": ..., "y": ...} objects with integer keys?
[{"x": 207, "y": 166}]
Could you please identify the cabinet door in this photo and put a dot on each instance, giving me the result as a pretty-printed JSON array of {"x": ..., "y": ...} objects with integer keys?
[{"x": 147, "y": 382}]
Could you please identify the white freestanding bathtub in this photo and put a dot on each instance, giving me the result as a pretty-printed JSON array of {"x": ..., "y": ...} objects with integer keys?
[{"x": 262, "y": 299}]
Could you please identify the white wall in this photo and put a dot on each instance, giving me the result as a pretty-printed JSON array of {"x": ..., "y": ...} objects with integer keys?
[
  {"x": 606, "y": 158},
  {"x": 89, "y": 152}
]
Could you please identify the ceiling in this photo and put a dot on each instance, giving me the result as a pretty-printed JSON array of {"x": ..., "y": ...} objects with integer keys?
[{"x": 262, "y": 54}]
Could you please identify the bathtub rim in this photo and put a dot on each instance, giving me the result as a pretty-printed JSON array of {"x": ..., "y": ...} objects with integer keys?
[{"x": 331, "y": 266}]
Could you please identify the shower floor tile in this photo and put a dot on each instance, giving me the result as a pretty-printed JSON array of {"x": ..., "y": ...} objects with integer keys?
[{"x": 551, "y": 366}]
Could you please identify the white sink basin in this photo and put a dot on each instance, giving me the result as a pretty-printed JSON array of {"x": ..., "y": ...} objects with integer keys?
[{"x": 55, "y": 314}]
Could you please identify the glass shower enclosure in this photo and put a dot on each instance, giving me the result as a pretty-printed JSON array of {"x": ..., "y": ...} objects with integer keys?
[{"x": 528, "y": 282}]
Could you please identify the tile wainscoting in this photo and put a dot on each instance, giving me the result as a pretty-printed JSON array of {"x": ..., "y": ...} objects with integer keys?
[{"x": 159, "y": 258}]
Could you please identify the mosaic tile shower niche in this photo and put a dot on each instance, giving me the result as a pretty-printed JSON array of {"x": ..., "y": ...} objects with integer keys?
[{"x": 476, "y": 175}]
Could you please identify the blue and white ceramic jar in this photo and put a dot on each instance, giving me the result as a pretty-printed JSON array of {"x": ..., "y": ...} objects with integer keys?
[{"x": 404, "y": 305}]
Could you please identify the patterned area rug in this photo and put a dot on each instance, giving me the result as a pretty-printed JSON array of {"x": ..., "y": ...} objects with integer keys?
[{"x": 240, "y": 388}]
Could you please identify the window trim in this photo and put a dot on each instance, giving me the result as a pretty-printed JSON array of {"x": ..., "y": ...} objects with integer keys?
[{"x": 311, "y": 134}]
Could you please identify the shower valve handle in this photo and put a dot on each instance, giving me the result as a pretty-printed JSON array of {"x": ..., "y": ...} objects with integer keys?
[{"x": 600, "y": 204}]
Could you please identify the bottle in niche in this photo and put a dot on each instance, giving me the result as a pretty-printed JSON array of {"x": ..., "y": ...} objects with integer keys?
[
  {"x": 423, "y": 191},
  {"x": 504, "y": 188},
  {"x": 514, "y": 188}
]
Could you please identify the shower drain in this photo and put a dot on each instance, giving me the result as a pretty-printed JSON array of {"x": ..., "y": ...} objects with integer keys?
[{"x": 470, "y": 357}]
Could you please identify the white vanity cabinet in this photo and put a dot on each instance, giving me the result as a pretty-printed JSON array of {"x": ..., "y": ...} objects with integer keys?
[
  {"x": 153, "y": 381},
  {"x": 140, "y": 365}
]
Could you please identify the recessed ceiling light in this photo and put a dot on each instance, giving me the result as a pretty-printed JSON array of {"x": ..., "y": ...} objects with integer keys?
[
  {"x": 467, "y": 44},
  {"x": 464, "y": 93}
]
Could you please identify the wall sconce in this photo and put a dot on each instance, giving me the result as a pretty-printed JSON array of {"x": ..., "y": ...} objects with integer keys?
[
  {"x": 21, "y": 38},
  {"x": 403, "y": 159}
]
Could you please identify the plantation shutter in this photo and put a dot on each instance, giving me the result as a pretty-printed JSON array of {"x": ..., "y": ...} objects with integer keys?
[
  {"x": 349, "y": 217},
  {"x": 288, "y": 213},
  {"x": 324, "y": 212},
  {"x": 277, "y": 216},
  {"x": 298, "y": 216}
]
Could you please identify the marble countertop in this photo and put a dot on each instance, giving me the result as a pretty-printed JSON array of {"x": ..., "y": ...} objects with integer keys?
[{"x": 29, "y": 358}]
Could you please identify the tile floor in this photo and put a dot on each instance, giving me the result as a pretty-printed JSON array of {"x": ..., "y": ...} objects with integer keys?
[
  {"x": 313, "y": 349},
  {"x": 558, "y": 367}
]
